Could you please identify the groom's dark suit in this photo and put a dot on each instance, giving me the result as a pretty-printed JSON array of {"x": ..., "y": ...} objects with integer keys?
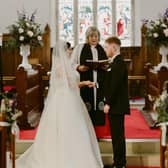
[{"x": 116, "y": 96}]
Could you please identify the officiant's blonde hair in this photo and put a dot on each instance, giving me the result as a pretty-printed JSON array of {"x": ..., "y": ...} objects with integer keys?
[{"x": 92, "y": 30}]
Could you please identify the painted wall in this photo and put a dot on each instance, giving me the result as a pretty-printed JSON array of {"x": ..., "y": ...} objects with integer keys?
[
  {"x": 8, "y": 11},
  {"x": 148, "y": 9}
]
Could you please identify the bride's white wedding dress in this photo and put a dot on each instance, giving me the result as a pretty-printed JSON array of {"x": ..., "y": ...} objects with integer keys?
[{"x": 65, "y": 137}]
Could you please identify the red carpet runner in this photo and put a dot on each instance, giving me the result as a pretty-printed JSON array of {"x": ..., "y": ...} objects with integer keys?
[
  {"x": 142, "y": 167},
  {"x": 136, "y": 128}
]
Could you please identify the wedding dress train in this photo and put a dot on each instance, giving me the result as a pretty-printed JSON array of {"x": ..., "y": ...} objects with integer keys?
[{"x": 65, "y": 136}]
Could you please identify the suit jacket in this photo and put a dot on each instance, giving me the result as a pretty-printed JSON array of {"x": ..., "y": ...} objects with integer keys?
[{"x": 116, "y": 87}]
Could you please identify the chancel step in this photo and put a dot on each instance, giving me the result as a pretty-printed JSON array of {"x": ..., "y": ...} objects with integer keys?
[{"x": 140, "y": 152}]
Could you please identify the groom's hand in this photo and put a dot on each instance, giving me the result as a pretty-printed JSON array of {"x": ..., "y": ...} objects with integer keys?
[{"x": 106, "y": 109}]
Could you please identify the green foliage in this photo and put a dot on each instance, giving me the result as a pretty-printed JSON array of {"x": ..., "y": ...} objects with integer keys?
[
  {"x": 157, "y": 31},
  {"x": 161, "y": 106}
]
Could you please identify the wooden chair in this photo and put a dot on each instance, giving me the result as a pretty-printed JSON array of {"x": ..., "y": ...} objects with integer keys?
[{"x": 29, "y": 93}]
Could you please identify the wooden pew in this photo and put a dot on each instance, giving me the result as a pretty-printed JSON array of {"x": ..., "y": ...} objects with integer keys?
[
  {"x": 154, "y": 84},
  {"x": 29, "y": 94}
]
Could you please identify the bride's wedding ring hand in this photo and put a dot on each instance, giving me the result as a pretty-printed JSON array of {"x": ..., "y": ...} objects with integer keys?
[{"x": 91, "y": 84}]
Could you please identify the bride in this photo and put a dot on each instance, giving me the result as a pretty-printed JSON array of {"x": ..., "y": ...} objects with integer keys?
[{"x": 65, "y": 137}]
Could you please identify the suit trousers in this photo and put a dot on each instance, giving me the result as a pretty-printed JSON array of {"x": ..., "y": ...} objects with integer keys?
[{"x": 118, "y": 139}]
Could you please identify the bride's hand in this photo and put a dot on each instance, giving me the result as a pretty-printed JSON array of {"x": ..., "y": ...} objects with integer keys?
[
  {"x": 91, "y": 84},
  {"x": 87, "y": 83},
  {"x": 82, "y": 68}
]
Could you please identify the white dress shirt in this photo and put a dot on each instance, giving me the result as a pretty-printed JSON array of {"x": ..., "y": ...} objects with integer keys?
[
  {"x": 111, "y": 59},
  {"x": 95, "y": 58}
]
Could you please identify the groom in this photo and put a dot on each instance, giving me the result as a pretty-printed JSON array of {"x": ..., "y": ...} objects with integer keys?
[{"x": 116, "y": 99}]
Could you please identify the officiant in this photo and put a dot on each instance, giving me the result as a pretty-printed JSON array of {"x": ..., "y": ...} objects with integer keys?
[{"x": 91, "y": 50}]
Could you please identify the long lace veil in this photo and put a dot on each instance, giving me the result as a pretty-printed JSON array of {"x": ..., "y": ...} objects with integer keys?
[{"x": 62, "y": 74}]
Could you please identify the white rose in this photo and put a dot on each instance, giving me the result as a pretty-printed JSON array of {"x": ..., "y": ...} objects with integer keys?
[
  {"x": 21, "y": 38},
  {"x": 21, "y": 30},
  {"x": 27, "y": 24},
  {"x": 30, "y": 33},
  {"x": 166, "y": 32},
  {"x": 155, "y": 35},
  {"x": 39, "y": 38},
  {"x": 163, "y": 25},
  {"x": 157, "y": 22}
]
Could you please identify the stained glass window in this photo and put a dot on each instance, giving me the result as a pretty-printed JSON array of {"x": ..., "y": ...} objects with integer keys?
[
  {"x": 104, "y": 18},
  {"x": 123, "y": 21},
  {"x": 85, "y": 17},
  {"x": 112, "y": 17},
  {"x": 66, "y": 20}
]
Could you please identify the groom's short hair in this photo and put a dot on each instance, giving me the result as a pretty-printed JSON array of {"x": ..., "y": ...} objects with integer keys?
[{"x": 114, "y": 40}]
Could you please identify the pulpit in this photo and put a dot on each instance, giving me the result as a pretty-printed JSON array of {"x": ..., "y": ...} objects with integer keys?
[
  {"x": 29, "y": 94},
  {"x": 154, "y": 84}
]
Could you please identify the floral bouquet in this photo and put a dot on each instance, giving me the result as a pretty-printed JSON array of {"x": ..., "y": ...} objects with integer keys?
[
  {"x": 9, "y": 112},
  {"x": 25, "y": 31},
  {"x": 161, "y": 105},
  {"x": 157, "y": 31}
]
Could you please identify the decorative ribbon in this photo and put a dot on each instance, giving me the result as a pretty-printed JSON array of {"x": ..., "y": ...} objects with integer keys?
[
  {"x": 4, "y": 124},
  {"x": 164, "y": 131},
  {"x": 14, "y": 128}
]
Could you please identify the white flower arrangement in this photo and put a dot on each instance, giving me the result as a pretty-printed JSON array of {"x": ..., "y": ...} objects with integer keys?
[
  {"x": 157, "y": 31},
  {"x": 25, "y": 31}
]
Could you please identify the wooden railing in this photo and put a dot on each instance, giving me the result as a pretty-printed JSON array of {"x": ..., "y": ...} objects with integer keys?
[{"x": 29, "y": 94}]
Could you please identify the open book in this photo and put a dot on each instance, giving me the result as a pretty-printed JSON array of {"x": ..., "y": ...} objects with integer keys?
[{"x": 100, "y": 64}]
